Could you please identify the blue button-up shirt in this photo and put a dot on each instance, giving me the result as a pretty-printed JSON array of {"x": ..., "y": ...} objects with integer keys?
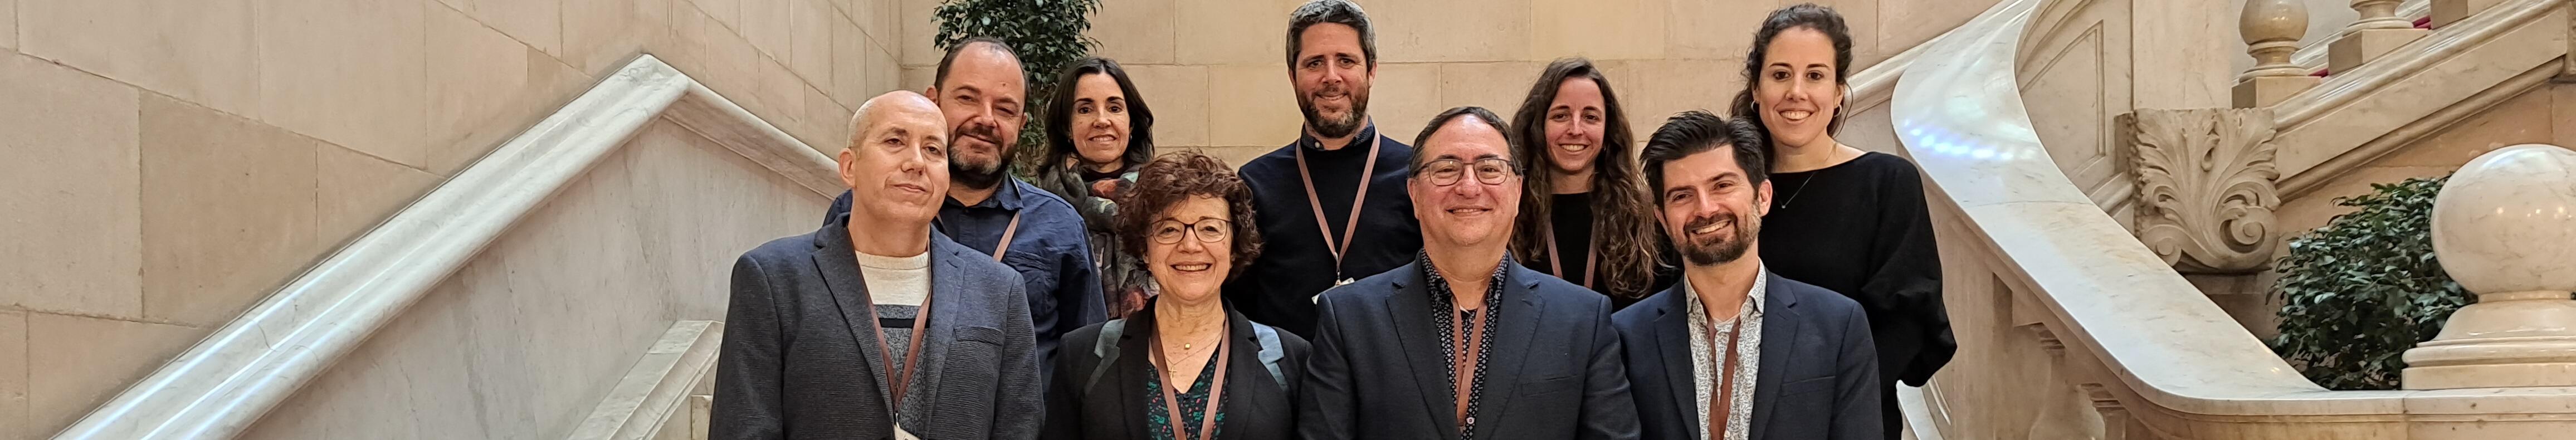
[{"x": 1050, "y": 252}]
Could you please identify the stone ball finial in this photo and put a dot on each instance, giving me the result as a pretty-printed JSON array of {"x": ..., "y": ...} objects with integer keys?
[
  {"x": 2506, "y": 222},
  {"x": 2272, "y": 29}
]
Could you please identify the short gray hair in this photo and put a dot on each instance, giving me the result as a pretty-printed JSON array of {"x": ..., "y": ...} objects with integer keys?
[{"x": 1341, "y": 12}]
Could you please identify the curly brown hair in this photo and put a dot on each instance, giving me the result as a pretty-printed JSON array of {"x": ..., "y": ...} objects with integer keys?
[
  {"x": 1623, "y": 222},
  {"x": 1174, "y": 177}
]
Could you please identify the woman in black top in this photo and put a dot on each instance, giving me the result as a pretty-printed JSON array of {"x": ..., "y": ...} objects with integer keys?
[
  {"x": 1098, "y": 131},
  {"x": 1842, "y": 218},
  {"x": 1187, "y": 363},
  {"x": 1585, "y": 216}
]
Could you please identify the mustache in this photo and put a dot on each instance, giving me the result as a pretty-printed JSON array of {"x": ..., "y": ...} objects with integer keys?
[
  {"x": 1705, "y": 221},
  {"x": 985, "y": 132}
]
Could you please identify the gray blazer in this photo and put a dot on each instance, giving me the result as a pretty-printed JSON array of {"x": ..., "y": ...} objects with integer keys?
[
  {"x": 1376, "y": 370},
  {"x": 1818, "y": 378},
  {"x": 794, "y": 365}
]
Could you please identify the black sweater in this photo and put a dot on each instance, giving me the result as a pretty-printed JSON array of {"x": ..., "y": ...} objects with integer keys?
[
  {"x": 1279, "y": 287},
  {"x": 1861, "y": 228}
]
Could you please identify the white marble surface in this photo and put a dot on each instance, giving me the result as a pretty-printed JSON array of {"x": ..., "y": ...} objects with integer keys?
[
  {"x": 2506, "y": 221},
  {"x": 2328, "y": 123},
  {"x": 252, "y": 365}
]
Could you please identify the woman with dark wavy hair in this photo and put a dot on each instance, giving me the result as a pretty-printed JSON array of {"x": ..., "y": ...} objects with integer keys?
[
  {"x": 1187, "y": 365},
  {"x": 1842, "y": 218},
  {"x": 1098, "y": 131},
  {"x": 1585, "y": 215}
]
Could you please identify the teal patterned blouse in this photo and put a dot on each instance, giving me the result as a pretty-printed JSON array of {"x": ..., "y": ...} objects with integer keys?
[{"x": 1193, "y": 405}]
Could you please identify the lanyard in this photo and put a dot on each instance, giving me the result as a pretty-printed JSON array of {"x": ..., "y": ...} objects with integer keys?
[
  {"x": 1464, "y": 363},
  {"x": 1721, "y": 406},
  {"x": 1556, "y": 266},
  {"x": 900, "y": 379},
  {"x": 1216, "y": 387},
  {"x": 1007, "y": 232},
  {"x": 1338, "y": 248}
]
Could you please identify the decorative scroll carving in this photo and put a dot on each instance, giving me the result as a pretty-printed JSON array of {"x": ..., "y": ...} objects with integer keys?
[{"x": 2206, "y": 187}]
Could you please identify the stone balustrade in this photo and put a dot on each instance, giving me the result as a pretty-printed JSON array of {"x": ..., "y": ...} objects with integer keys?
[
  {"x": 2501, "y": 226},
  {"x": 2271, "y": 29}
]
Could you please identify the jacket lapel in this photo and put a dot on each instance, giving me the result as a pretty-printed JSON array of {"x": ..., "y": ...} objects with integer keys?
[
  {"x": 1135, "y": 361},
  {"x": 1516, "y": 326},
  {"x": 1672, "y": 345},
  {"x": 1410, "y": 308},
  {"x": 839, "y": 263},
  {"x": 1779, "y": 341},
  {"x": 944, "y": 290}
]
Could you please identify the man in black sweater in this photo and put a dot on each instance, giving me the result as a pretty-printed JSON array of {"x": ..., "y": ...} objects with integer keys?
[{"x": 1332, "y": 206}]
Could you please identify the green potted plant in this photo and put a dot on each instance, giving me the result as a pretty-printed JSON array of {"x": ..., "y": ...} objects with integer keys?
[{"x": 2358, "y": 292}]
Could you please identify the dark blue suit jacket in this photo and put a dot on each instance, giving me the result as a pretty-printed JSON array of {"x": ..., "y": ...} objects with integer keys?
[
  {"x": 1554, "y": 372},
  {"x": 1817, "y": 379}
]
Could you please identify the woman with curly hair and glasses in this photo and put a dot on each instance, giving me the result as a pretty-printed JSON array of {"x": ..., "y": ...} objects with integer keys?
[{"x": 1187, "y": 365}]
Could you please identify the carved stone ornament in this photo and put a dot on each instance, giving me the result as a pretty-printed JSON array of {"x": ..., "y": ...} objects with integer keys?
[{"x": 2207, "y": 186}]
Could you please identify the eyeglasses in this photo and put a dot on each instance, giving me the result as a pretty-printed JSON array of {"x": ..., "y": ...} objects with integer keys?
[
  {"x": 1445, "y": 172},
  {"x": 1209, "y": 230}
]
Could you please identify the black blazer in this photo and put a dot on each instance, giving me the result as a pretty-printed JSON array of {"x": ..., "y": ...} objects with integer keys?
[
  {"x": 792, "y": 364},
  {"x": 1818, "y": 373},
  {"x": 1256, "y": 406},
  {"x": 1554, "y": 370}
]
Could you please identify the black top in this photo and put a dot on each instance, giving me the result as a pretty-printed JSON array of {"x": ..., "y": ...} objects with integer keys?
[
  {"x": 1861, "y": 228},
  {"x": 1088, "y": 400},
  {"x": 1279, "y": 288},
  {"x": 1571, "y": 217}
]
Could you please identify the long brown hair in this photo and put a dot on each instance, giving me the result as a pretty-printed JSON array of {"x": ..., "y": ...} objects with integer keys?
[
  {"x": 1622, "y": 221},
  {"x": 1821, "y": 19}
]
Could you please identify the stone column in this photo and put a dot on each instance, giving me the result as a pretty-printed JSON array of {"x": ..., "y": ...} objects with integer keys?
[
  {"x": 2446, "y": 12},
  {"x": 2378, "y": 31},
  {"x": 2504, "y": 227},
  {"x": 2271, "y": 29}
]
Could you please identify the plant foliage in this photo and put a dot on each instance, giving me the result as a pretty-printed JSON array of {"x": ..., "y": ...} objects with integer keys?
[
  {"x": 1047, "y": 34},
  {"x": 2361, "y": 290}
]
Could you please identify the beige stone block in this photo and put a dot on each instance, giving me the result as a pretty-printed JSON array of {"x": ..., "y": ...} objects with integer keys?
[
  {"x": 882, "y": 20},
  {"x": 919, "y": 27},
  {"x": 1496, "y": 86},
  {"x": 2268, "y": 90},
  {"x": 2184, "y": 51},
  {"x": 538, "y": 23},
  {"x": 1862, "y": 17},
  {"x": 1179, "y": 98},
  {"x": 1711, "y": 29},
  {"x": 728, "y": 12},
  {"x": 227, "y": 211},
  {"x": 883, "y": 75},
  {"x": 809, "y": 51},
  {"x": 1252, "y": 105},
  {"x": 1656, "y": 89},
  {"x": 778, "y": 95},
  {"x": 915, "y": 78},
  {"x": 73, "y": 204},
  {"x": 826, "y": 123},
  {"x": 2519, "y": 120},
  {"x": 8, "y": 40},
  {"x": 1917, "y": 21},
  {"x": 2354, "y": 49},
  {"x": 2446, "y": 12},
  {"x": 1233, "y": 156},
  {"x": 343, "y": 71},
  {"x": 1600, "y": 29},
  {"x": 1135, "y": 31},
  {"x": 353, "y": 192},
  {"x": 711, "y": 53},
  {"x": 1448, "y": 30},
  {"x": 1240, "y": 32},
  {"x": 848, "y": 80},
  {"x": 1404, "y": 96},
  {"x": 600, "y": 35},
  {"x": 87, "y": 360},
  {"x": 2313, "y": 209},
  {"x": 13, "y": 375},
  {"x": 769, "y": 24},
  {"x": 2562, "y": 114},
  {"x": 199, "y": 51},
  {"x": 483, "y": 88}
]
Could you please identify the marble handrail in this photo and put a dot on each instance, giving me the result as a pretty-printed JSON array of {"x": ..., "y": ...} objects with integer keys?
[
  {"x": 2313, "y": 55},
  {"x": 227, "y": 381},
  {"x": 2344, "y": 87},
  {"x": 2416, "y": 89}
]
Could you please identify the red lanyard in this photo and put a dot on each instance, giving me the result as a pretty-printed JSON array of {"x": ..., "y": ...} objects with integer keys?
[
  {"x": 1464, "y": 363},
  {"x": 1721, "y": 406},
  {"x": 1348, "y": 227},
  {"x": 1216, "y": 388},
  {"x": 1556, "y": 266},
  {"x": 900, "y": 379}
]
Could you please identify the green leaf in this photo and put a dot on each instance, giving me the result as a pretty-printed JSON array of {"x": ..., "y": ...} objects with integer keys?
[{"x": 2361, "y": 290}]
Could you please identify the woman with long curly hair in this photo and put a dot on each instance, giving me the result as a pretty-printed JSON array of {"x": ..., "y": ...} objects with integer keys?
[{"x": 1585, "y": 213}]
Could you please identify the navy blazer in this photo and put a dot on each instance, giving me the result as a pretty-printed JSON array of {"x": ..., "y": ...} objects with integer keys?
[
  {"x": 1554, "y": 371},
  {"x": 794, "y": 364},
  {"x": 1817, "y": 377}
]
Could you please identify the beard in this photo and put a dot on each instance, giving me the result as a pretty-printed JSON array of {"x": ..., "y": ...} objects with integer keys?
[
  {"x": 980, "y": 175},
  {"x": 1337, "y": 127},
  {"x": 1725, "y": 249}
]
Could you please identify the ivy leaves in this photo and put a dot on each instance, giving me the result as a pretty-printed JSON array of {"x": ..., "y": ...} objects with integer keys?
[
  {"x": 2361, "y": 290},
  {"x": 1047, "y": 34}
]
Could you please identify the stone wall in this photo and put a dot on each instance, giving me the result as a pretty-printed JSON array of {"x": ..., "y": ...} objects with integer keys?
[
  {"x": 172, "y": 162},
  {"x": 1215, "y": 70}
]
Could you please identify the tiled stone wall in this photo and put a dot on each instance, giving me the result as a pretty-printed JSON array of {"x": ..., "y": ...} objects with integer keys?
[
  {"x": 172, "y": 162},
  {"x": 1214, "y": 70}
]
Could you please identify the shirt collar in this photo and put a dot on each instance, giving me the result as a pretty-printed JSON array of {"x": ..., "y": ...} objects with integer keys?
[
  {"x": 1439, "y": 286},
  {"x": 1754, "y": 298},
  {"x": 1006, "y": 195},
  {"x": 1367, "y": 133}
]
